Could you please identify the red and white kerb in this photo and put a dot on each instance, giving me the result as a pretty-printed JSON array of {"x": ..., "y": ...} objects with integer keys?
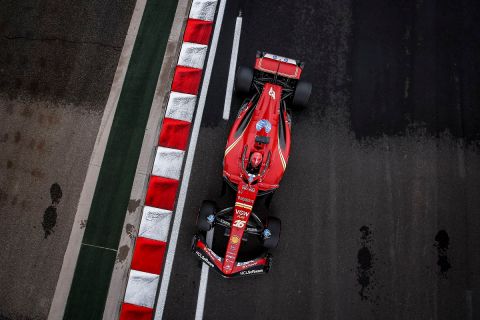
[{"x": 151, "y": 243}]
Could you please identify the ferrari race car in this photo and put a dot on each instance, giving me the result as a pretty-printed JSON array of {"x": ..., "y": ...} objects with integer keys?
[{"x": 255, "y": 159}]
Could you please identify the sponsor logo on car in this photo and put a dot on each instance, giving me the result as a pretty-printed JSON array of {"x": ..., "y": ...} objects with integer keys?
[
  {"x": 247, "y": 187},
  {"x": 246, "y": 263},
  {"x": 247, "y": 272},
  {"x": 245, "y": 199},
  {"x": 242, "y": 213},
  {"x": 204, "y": 259},
  {"x": 280, "y": 58},
  {"x": 212, "y": 254},
  {"x": 235, "y": 239},
  {"x": 264, "y": 123},
  {"x": 222, "y": 221}
]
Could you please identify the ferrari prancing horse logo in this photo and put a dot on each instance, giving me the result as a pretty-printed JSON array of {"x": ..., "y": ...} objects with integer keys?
[{"x": 271, "y": 93}]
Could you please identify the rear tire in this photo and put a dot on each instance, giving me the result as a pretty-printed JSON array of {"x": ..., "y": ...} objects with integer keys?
[
  {"x": 302, "y": 94},
  {"x": 243, "y": 80},
  {"x": 207, "y": 208},
  {"x": 275, "y": 226}
]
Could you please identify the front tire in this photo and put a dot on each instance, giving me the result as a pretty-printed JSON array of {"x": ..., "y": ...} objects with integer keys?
[
  {"x": 207, "y": 209},
  {"x": 274, "y": 226}
]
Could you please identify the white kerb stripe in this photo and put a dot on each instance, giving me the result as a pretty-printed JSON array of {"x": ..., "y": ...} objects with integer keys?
[
  {"x": 177, "y": 220},
  {"x": 168, "y": 163},
  {"x": 231, "y": 71},
  {"x": 155, "y": 223},
  {"x": 181, "y": 106},
  {"x": 141, "y": 288},
  {"x": 203, "y": 9},
  {"x": 192, "y": 55}
]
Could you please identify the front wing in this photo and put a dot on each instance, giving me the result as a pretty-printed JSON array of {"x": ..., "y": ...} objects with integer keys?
[{"x": 213, "y": 260}]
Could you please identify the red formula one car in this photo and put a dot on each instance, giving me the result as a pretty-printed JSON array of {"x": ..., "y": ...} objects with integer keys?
[{"x": 256, "y": 156}]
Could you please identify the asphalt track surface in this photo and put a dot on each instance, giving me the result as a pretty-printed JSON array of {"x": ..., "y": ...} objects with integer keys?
[
  {"x": 380, "y": 198},
  {"x": 57, "y": 63}
]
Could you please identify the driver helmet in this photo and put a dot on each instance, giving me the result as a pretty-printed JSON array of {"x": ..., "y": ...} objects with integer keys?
[{"x": 256, "y": 159}]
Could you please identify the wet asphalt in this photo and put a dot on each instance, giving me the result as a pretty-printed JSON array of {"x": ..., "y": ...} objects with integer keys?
[
  {"x": 380, "y": 201},
  {"x": 57, "y": 63},
  {"x": 380, "y": 198}
]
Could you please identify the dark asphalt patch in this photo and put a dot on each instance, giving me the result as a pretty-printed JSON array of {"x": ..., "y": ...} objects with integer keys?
[
  {"x": 50, "y": 214},
  {"x": 133, "y": 205},
  {"x": 422, "y": 70},
  {"x": 122, "y": 253},
  {"x": 55, "y": 193},
  {"x": 442, "y": 242},
  {"x": 403, "y": 186},
  {"x": 49, "y": 220},
  {"x": 365, "y": 260},
  {"x": 48, "y": 53}
]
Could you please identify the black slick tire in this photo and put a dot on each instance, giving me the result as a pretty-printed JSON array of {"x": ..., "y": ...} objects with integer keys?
[
  {"x": 243, "y": 80},
  {"x": 302, "y": 94}
]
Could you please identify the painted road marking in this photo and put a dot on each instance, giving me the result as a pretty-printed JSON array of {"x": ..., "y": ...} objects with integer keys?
[
  {"x": 162, "y": 296},
  {"x": 65, "y": 278},
  {"x": 233, "y": 66},
  {"x": 202, "y": 288},
  {"x": 99, "y": 247}
]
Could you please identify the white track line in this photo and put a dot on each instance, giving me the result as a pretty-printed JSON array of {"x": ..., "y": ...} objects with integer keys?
[
  {"x": 231, "y": 71},
  {"x": 162, "y": 296},
  {"x": 202, "y": 289}
]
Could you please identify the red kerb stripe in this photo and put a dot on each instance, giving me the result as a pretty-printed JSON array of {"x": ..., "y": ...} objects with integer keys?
[
  {"x": 174, "y": 134},
  {"x": 186, "y": 80},
  {"x": 133, "y": 312},
  {"x": 148, "y": 255},
  {"x": 161, "y": 192},
  {"x": 198, "y": 31}
]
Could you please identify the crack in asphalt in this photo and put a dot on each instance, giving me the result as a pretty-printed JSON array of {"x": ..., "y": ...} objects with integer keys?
[{"x": 115, "y": 48}]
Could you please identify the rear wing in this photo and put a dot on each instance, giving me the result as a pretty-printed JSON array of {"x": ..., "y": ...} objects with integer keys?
[{"x": 277, "y": 65}]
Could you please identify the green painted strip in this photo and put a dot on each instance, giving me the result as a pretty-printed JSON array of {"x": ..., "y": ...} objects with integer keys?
[
  {"x": 86, "y": 302},
  {"x": 93, "y": 271}
]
